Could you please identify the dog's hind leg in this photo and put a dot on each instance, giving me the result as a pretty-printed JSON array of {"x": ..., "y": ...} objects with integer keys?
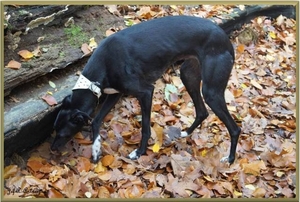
[
  {"x": 190, "y": 74},
  {"x": 107, "y": 105},
  {"x": 215, "y": 74}
]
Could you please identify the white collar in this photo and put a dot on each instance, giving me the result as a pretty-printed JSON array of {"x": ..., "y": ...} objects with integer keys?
[{"x": 84, "y": 83}]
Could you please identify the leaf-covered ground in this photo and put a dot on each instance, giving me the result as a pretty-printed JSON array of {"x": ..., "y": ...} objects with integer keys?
[{"x": 261, "y": 96}]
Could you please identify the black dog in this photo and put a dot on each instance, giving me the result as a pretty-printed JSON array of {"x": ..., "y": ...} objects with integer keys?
[{"x": 131, "y": 60}]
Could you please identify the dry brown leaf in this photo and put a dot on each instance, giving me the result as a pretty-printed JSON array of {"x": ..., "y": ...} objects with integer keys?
[
  {"x": 103, "y": 192},
  {"x": 85, "y": 48},
  {"x": 84, "y": 141},
  {"x": 49, "y": 99},
  {"x": 254, "y": 167},
  {"x": 259, "y": 192},
  {"x": 107, "y": 160},
  {"x": 10, "y": 171},
  {"x": 53, "y": 193},
  {"x": 146, "y": 12},
  {"x": 72, "y": 188},
  {"x": 13, "y": 65},
  {"x": 134, "y": 192},
  {"x": 240, "y": 48},
  {"x": 83, "y": 164},
  {"x": 35, "y": 165}
]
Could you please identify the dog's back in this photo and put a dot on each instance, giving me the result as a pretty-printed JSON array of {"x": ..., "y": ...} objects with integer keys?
[{"x": 151, "y": 45}]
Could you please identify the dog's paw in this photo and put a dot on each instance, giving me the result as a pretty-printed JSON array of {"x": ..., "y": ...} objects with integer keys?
[
  {"x": 224, "y": 159},
  {"x": 184, "y": 134},
  {"x": 134, "y": 155},
  {"x": 96, "y": 150}
]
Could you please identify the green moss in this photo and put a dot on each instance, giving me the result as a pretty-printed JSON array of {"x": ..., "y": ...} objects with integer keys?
[
  {"x": 75, "y": 35},
  {"x": 62, "y": 54}
]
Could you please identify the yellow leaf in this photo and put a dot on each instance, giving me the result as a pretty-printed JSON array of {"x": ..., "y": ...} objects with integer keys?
[
  {"x": 244, "y": 85},
  {"x": 236, "y": 193},
  {"x": 93, "y": 44},
  {"x": 156, "y": 147},
  {"x": 25, "y": 54},
  {"x": 100, "y": 168},
  {"x": 159, "y": 133},
  {"x": 203, "y": 152},
  {"x": 272, "y": 35},
  {"x": 72, "y": 162}
]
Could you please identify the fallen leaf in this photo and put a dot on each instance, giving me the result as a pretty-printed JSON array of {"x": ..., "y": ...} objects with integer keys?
[
  {"x": 52, "y": 84},
  {"x": 107, "y": 160},
  {"x": 272, "y": 34},
  {"x": 93, "y": 44},
  {"x": 83, "y": 164},
  {"x": 259, "y": 192},
  {"x": 240, "y": 48},
  {"x": 25, "y": 54},
  {"x": 85, "y": 48},
  {"x": 13, "y": 65},
  {"x": 159, "y": 137},
  {"x": 103, "y": 192},
  {"x": 10, "y": 171},
  {"x": 53, "y": 193},
  {"x": 256, "y": 84},
  {"x": 156, "y": 147},
  {"x": 254, "y": 167},
  {"x": 49, "y": 99}
]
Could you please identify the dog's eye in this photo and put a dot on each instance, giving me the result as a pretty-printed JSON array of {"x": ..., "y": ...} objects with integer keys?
[{"x": 77, "y": 120}]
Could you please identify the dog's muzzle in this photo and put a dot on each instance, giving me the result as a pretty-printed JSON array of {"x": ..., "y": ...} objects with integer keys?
[{"x": 84, "y": 83}]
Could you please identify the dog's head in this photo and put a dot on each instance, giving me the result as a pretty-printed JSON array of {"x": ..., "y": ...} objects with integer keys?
[{"x": 69, "y": 121}]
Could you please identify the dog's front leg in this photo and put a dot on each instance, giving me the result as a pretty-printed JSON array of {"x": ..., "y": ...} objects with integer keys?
[
  {"x": 107, "y": 105},
  {"x": 145, "y": 100}
]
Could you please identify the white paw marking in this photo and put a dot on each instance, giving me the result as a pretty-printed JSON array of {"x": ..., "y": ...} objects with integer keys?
[
  {"x": 96, "y": 148},
  {"x": 133, "y": 154},
  {"x": 184, "y": 134},
  {"x": 224, "y": 159}
]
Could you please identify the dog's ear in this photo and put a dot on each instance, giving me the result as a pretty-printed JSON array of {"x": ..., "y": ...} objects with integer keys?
[
  {"x": 66, "y": 103},
  {"x": 79, "y": 117}
]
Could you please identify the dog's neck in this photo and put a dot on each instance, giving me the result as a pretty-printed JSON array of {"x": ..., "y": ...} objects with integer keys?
[
  {"x": 84, "y": 83},
  {"x": 83, "y": 90}
]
